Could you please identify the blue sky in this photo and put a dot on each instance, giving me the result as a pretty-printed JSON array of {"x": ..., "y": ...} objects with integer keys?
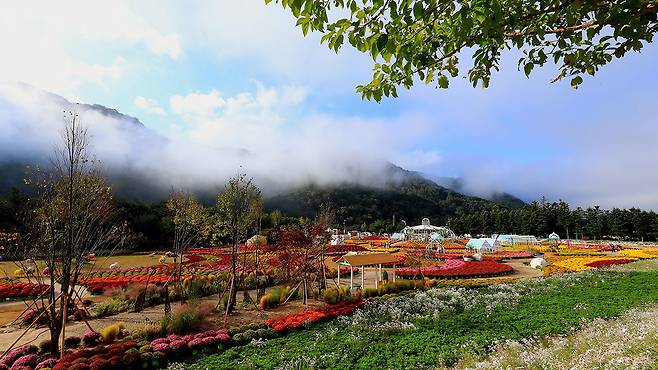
[{"x": 239, "y": 74}]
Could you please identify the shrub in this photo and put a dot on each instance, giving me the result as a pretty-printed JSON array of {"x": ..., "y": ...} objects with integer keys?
[
  {"x": 27, "y": 361},
  {"x": 72, "y": 341},
  {"x": 44, "y": 346},
  {"x": 131, "y": 356},
  {"x": 188, "y": 318},
  {"x": 113, "y": 306},
  {"x": 112, "y": 332},
  {"x": 148, "y": 331},
  {"x": 91, "y": 338},
  {"x": 337, "y": 295},
  {"x": 48, "y": 363},
  {"x": 275, "y": 297}
]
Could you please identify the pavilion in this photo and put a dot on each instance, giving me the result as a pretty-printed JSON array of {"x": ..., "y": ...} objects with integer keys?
[
  {"x": 427, "y": 232},
  {"x": 366, "y": 260}
]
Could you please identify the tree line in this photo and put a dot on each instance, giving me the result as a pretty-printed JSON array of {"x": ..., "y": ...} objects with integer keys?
[{"x": 542, "y": 217}]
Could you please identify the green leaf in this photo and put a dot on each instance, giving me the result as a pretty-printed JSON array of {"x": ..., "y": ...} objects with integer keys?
[
  {"x": 576, "y": 81},
  {"x": 528, "y": 68},
  {"x": 443, "y": 81},
  {"x": 381, "y": 41},
  {"x": 419, "y": 11}
]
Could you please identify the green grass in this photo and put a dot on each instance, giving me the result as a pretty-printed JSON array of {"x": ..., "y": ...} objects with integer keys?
[{"x": 447, "y": 339}]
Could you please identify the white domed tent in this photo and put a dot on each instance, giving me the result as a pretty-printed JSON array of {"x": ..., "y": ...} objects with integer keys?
[
  {"x": 538, "y": 262},
  {"x": 257, "y": 241}
]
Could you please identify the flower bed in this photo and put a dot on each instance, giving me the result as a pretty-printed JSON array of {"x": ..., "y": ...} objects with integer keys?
[
  {"x": 606, "y": 263},
  {"x": 640, "y": 253},
  {"x": 174, "y": 344},
  {"x": 343, "y": 249},
  {"x": 458, "y": 268},
  {"x": 309, "y": 316},
  {"x": 583, "y": 263},
  {"x": 18, "y": 290},
  {"x": 124, "y": 355}
]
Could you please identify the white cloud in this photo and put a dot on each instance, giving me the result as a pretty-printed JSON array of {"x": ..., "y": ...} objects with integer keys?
[
  {"x": 149, "y": 105},
  {"x": 197, "y": 103},
  {"x": 263, "y": 133},
  {"x": 266, "y": 36},
  {"x": 50, "y": 44},
  {"x": 420, "y": 160}
]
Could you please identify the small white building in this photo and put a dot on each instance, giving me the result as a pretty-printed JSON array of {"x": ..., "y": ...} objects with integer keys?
[
  {"x": 483, "y": 245},
  {"x": 513, "y": 239}
]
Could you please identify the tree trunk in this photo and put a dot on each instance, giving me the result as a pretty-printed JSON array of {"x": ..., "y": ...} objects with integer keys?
[{"x": 234, "y": 286}]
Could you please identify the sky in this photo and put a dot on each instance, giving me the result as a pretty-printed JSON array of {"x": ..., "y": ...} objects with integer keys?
[{"x": 239, "y": 75}]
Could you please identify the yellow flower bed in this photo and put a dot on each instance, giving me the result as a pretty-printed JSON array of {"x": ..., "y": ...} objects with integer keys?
[
  {"x": 580, "y": 263},
  {"x": 640, "y": 253},
  {"x": 377, "y": 249},
  {"x": 526, "y": 247}
]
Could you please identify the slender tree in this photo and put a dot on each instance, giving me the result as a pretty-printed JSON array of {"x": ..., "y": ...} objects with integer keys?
[
  {"x": 191, "y": 226},
  {"x": 239, "y": 207},
  {"x": 71, "y": 217}
]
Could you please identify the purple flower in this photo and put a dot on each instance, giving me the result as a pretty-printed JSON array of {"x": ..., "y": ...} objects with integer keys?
[
  {"x": 46, "y": 363},
  {"x": 27, "y": 360}
]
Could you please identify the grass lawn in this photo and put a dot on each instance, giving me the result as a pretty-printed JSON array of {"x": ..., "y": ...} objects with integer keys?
[
  {"x": 471, "y": 323},
  {"x": 7, "y": 268}
]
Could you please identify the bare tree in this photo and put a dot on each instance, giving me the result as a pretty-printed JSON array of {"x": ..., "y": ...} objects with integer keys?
[
  {"x": 239, "y": 207},
  {"x": 191, "y": 226},
  {"x": 71, "y": 217}
]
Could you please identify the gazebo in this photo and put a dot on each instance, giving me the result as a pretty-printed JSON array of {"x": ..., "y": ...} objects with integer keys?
[{"x": 366, "y": 260}]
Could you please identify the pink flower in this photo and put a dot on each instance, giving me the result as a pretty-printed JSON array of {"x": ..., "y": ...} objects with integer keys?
[
  {"x": 161, "y": 347},
  {"x": 46, "y": 363},
  {"x": 177, "y": 345},
  {"x": 195, "y": 343},
  {"x": 27, "y": 360}
]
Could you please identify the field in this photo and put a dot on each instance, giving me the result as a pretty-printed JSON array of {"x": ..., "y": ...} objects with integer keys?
[
  {"x": 446, "y": 309},
  {"x": 438, "y": 327}
]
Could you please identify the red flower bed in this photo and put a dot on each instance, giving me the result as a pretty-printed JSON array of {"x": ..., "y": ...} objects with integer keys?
[
  {"x": 16, "y": 290},
  {"x": 310, "y": 316},
  {"x": 194, "y": 258},
  {"x": 374, "y": 237},
  {"x": 114, "y": 356},
  {"x": 606, "y": 263},
  {"x": 458, "y": 268}
]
